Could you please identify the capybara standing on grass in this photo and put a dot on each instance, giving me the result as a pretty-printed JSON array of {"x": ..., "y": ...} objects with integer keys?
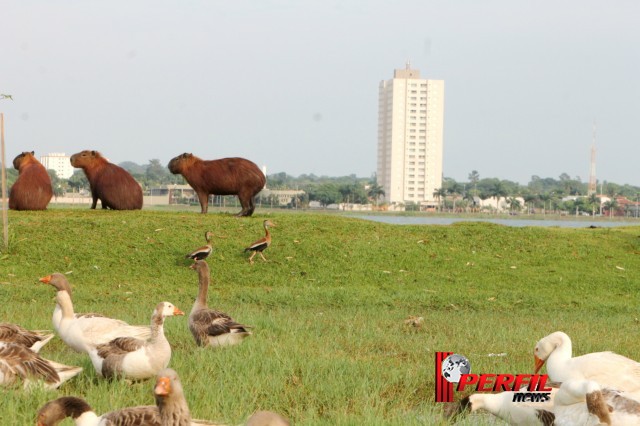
[
  {"x": 112, "y": 185},
  {"x": 226, "y": 176},
  {"x": 32, "y": 190}
]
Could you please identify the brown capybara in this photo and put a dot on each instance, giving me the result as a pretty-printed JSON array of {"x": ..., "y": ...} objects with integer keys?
[
  {"x": 112, "y": 185},
  {"x": 32, "y": 190},
  {"x": 226, "y": 176}
]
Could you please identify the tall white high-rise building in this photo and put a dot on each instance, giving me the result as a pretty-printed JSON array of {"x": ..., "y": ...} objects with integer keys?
[
  {"x": 59, "y": 162},
  {"x": 410, "y": 137}
]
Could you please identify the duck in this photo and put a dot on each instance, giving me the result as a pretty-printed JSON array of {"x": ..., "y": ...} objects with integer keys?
[
  {"x": 262, "y": 244},
  {"x": 208, "y": 326},
  {"x": 18, "y": 362},
  {"x": 204, "y": 251},
  {"x": 608, "y": 369},
  {"x": 136, "y": 358},
  {"x": 54, "y": 411},
  {"x": 82, "y": 332},
  {"x": 14, "y": 333},
  {"x": 501, "y": 405}
]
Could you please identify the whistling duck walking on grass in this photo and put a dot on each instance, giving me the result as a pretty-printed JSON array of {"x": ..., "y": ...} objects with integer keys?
[
  {"x": 210, "y": 327},
  {"x": 18, "y": 362},
  {"x": 262, "y": 244},
  {"x": 85, "y": 331},
  {"x": 137, "y": 358},
  {"x": 204, "y": 251},
  {"x": 13, "y": 333},
  {"x": 608, "y": 369}
]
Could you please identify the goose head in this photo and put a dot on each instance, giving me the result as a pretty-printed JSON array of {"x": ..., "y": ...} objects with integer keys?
[
  {"x": 57, "y": 280},
  {"x": 166, "y": 309},
  {"x": 546, "y": 346},
  {"x": 199, "y": 265},
  {"x": 53, "y": 412}
]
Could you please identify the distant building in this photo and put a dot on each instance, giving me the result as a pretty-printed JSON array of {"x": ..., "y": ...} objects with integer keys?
[
  {"x": 283, "y": 196},
  {"x": 59, "y": 162},
  {"x": 410, "y": 137}
]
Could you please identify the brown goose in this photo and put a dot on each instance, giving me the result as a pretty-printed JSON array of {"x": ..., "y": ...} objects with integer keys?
[
  {"x": 210, "y": 327},
  {"x": 13, "y": 333},
  {"x": 267, "y": 418},
  {"x": 53, "y": 412},
  {"x": 262, "y": 244},
  {"x": 85, "y": 331},
  {"x": 173, "y": 408},
  {"x": 137, "y": 358},
  {"x": 21, "y": 363},
  {"x": 204, "y": 251}
]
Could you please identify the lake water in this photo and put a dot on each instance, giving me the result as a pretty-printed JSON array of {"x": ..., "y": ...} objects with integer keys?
[{"x": 428, "y": 220}]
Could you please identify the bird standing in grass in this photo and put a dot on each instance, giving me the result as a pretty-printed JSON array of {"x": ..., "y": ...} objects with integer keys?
[
  {"x": 262, "y": 244},
  {"x": 208, "y": 326},
  {"x": 204, "y": 251}
]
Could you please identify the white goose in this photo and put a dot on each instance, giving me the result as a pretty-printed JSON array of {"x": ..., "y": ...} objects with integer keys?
[
  {"x": 21, "y": 363},
  {"x": 53, "y": 412},
  {"x": 137, "y": 358},
  {"x": 608, "y": 369},
  {"x": 501, "y": 405},
  {"x": 13, "y": 333},
  {"x": 210, "y": 327},
  {"x": 585, "y": 402},
  {"x": 85, "y": 331}
]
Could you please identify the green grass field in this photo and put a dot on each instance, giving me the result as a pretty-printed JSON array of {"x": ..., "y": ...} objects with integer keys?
[{"x": 330, "y": 346}]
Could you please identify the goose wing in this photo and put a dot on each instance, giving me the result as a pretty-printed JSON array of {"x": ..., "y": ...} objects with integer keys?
[
  {"x": 18, "y": 361},
  {"x": 146, "y": 415},
  {"x": 119, "y": 346}
]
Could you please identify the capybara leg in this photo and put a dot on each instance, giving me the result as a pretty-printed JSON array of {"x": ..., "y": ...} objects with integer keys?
[
  {"x": 95, "y": 201},
  {"x": 203, "y": 197}
]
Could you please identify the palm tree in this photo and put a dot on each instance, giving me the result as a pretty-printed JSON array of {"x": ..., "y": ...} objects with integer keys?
[
  {"x": 611, "y": 205},
  {"x": 593, "y": 200},
  {"x": 514, "y": 203},
  {"x": 474, "y": 177},
  {"x": 375, "y": 192},
  {"x": 439, "y": 194}
]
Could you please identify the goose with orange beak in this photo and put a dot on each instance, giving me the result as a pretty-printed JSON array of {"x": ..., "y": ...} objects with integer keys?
[
  {"x": 608, "y": 369},
  {"x": 136, "y": 358}
]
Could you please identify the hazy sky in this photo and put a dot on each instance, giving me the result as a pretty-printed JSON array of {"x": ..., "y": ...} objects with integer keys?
[{"x": 293, "y": 85}]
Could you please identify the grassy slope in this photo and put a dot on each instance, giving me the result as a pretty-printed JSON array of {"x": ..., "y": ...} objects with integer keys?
[{"x": 330, "y": 346}]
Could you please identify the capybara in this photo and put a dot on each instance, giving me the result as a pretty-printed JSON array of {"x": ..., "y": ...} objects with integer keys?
[
  {"x": 112, "y": 185},
  {"x": 32, "y": 190},
  {"x": 226, "y": 176}
]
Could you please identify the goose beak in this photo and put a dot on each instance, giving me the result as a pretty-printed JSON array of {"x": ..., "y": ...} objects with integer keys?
[
  {"x": 163, "y": 386},
  {"x": 177, "y": 311},
  {"x": 46, "y": 279},
  {"x": 538, "y": 364}
]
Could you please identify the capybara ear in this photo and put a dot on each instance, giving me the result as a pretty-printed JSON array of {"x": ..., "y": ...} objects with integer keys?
[
  {"x": 33, "y": 153},
  {"x": 93, "y": 153}
]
